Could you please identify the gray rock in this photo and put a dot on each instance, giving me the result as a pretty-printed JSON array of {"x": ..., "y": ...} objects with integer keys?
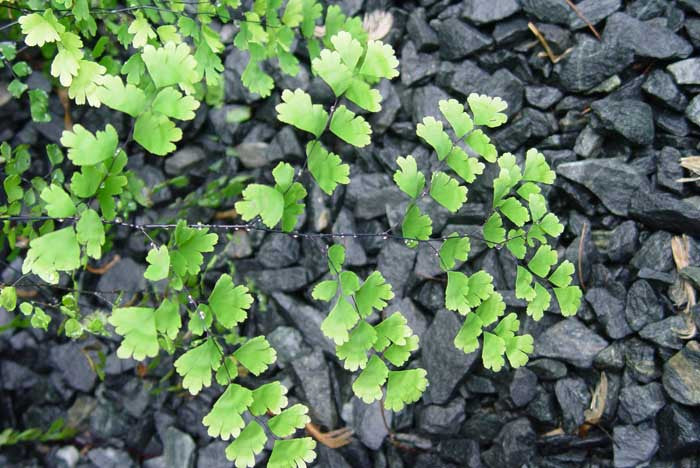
[
  {"x": 630, "y": 118},
  {"x": 574, "y": 398},
  {"x": 391, "y": 104},
  {"x": 514, "y": 445},
  {"x": 370, "y": 193},
  {"x": 665, "y": 332},
  {"x": 669, "y": 169},
  {"x": 367, "y": 423},
  {"x": 655, "y": 253},
  {"x": 420, "y": 32},
  {"x": 661, "y": 210},
  {"x": 643, "y": 307},
  {"x": 125, "y": 277},
  {"x": 283, "y": 279},
  {"x": 417, "y": 67},
  {"x": 330, "y": 457},
  {"x": 354, "y": 252},
  {"x": 549, "y": 11},
  {"x": 547, "y": 369},
  {"x": 571, "y": 341},
  {"x": 313, "y": 374},
  {"x": 278, "y": 251},
  {"x": 592, "y": 62},
  {"x": 67, "y": 457},
  {"x": 611, "y": 180},
  {"x": 254, "y": 154},
  {"x": 305, "y": 318},
  {"x": 609, "y": 306},
  {"x": 446, "y": 365},
  {"x": 693, "y": 111},
  {"x": 288, "y": 343},
  {"x": 16, "y": 376},
  {"x": 640, "y": 361},
  {"x": 661, "y": 85},
  {"x": 686, "y": 72},
  {"x": 681, "y": 377},
  {"x": 213, "y": 456},
  {"x": 639, "y": 403},
  {"x": 624, "y": 242},
  {"x": 634, "y": 446},
  {"x": 594, "y": 11},
  {"x": 542, "y": 97},
  {"x": 239, "y": 246},
  {"x": 508, "y": 87},
  {"x": 395, "y": 263},
  {"x": 588, "y": 143},
  {"x": 523, "y": 387},
  {"x": 74, "y": 367},
  {"x": 465, "y": 79},
  {"x": 109, "y": 457},
  {"x": 487, "y": 11},
  {"x": 611, "y": 358},
  {"x": 178, "y": 449},
  {"x": 414, "y": 317},
  {"x": 447, "y": 419},
  {"x": 463, "y": 451},
  {"x": 184, "y": 159},
  {"x": 679, "y": 430},
  {"x": 458, "y": 39},
  {"x": 645, "y": 38}
]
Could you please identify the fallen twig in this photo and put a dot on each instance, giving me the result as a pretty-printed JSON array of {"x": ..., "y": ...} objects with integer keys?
[{"x": 585, "y": 20}]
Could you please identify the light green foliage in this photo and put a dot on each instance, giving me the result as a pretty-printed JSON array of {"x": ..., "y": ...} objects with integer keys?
[
  {"x": 137, "y": 326},
  {"x": 158, "y": 260},
  {"x": 537, "y": 169},
  {"x": 416, "y": 226},
  {"x": 368, "y": 385},
  {"x": 543, "y": 260},
  {"x": 453, "y": 249},
  {"x": 196, "y": 365},
  {"x": 224, "y": 420},
  {"x": 249, "y": 442},
  {"x": 459, "y": 120},
  {"x": 446, "y": 191},
  {"x": 256, "y": 355},
  {"x": 481, "y": 144},
  {"x": 168, "y": 320},
  {"x": 487, "y": 110},
  {"x": 171, "y": 65},
  {"x": 156, "y": 133},
  {"x": 90, "y": 232},
  {"x": 464, "y": 166},
  {"x": 431, "y": 131},
  {"x": 351, "y": 128},
  {"x": 326, "y": 167},
  {"x": 569, "y": 299},
  {"x": 58, "y": 202},
  {"x": 289, "y": 420},
  {"x": 339, "y": 321},
  {"x": 404, "y": 387},
  {"x": 189, "y": 244},
  {"x": 296, "y": 109},
  {"x": 561, "y": 277},
  {"x": 325, "y": 290},
  {"x": 354, "y": 351},
  {"x": 84, "y": 148},
  {"x": 8, "y": 298},
  {"x": 229, "y": 303},
  {"x": 292, "y": 453},
  {"x": 268, "y": 397},
  {"x": 408, "y": 178},
  {"x": 373, "y": 294},
  {"x": 493, "y": 230},
  {"x": 393, "y": 329},
  {"x": 40, "y": 29},
  {"x": 53, "y": 252}
]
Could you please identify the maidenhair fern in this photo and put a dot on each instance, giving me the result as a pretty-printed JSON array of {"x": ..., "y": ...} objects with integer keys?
[{"x": 163, "y": 64}]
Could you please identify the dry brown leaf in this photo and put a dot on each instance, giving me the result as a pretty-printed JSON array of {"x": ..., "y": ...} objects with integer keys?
[
  {"x": 692, "y": 163},
  {"x": 378, "y": 24},
  {"x": 680, "y": 248},
  {"x": 595, "y": 412}
]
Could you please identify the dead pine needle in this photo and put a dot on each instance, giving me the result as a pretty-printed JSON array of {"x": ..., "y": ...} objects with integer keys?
[
  {"x": 548, "y": 50},
  {"x": 583, "y": 18}
]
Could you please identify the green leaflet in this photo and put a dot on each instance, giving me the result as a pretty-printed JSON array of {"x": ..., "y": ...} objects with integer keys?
[
  {"x": 53, "y": 252},
  {"x": 158, "y": 259},
  {"x": 326, "y": 167},
  {"x": 224, "y": 420},
  {"x": 487, "y": 110},
  {"x": 249, "y": 443},
  {"x": 373, "y": 294},
  {"x": 156, "y": 133},
  {"x": 416, "y": 226},
  {"x": 354, "y": 351},
  {"x": 90, "y": 232},
  {"x": 404, "y": 387},
  {"x": 431, "y": 131},
  {"x": 288, "y": 421},
  {"x": 229, "y": 303},
  {"x": 368, "y": 385},
  {"x": 84, "y": 148},
  {"x": 351, "y": 128},
  {"x": 58, "y": 202},
  {"x": 138, "y": 327},
  {"x": 453, "y": 249},
  {"x": 446, "y": 191},
  {"x": 339, "y": 321},
  {"x": 393, "y": 329},
  {"x": 256, "y": 355},
  {"x": 459, "y": 120},
  {"x": 263, "y": 201},
  {"x": 269, "y": 397},
  {"x": 197, "y": 364},
  {"x": 408, "y": 178},
  {"x": 296, "y": 109},
  {"x": 292, "y": 452}
]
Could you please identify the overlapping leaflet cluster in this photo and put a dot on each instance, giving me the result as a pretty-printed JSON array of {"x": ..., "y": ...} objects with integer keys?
[
  {"x": 363, "y": 346},
  {"x": 473, "y": 295},
  {"x": 350, "y": 69},
  {"x": 240, "y": 412}
]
